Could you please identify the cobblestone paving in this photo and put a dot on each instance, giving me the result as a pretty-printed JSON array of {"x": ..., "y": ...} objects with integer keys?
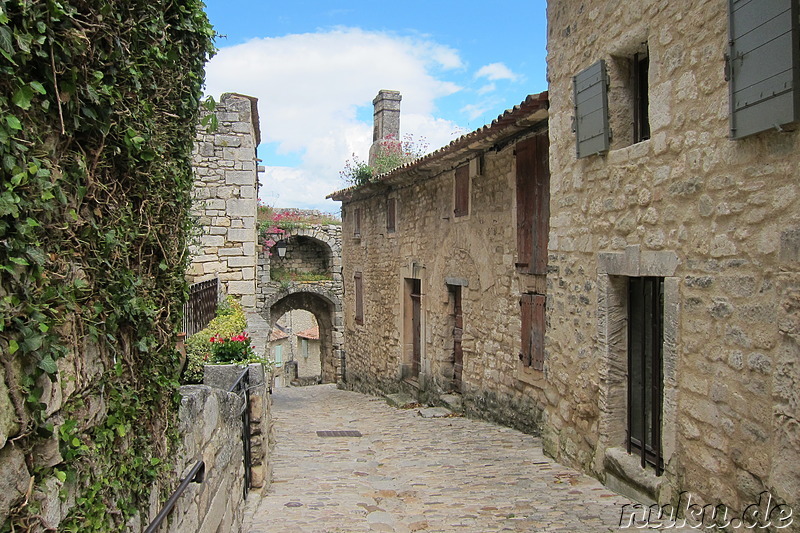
[{"x": 409, "y": 473}]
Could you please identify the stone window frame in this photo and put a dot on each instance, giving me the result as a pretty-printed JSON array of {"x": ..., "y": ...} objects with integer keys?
[
  {"x": 391, "y": 215},
  {"x": 358, "y": 284},
  {"x": 624, "y": 91},
  {"x": 357, "y": 223},
  {"x": 623, "y": 471}
]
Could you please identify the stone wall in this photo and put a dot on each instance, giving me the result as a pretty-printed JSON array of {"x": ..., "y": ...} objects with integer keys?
[
  {"x": 226, "y": 198},
  {"x": 303, "y": 255},
  {"x": 323, "y": 299},
  {"x": 211, "y": 428},
  {"x": 717, "y": 218},
  {"x": 476, "y": 252}
]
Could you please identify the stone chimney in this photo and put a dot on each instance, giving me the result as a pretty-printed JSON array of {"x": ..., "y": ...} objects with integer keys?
[{"x": 386, "y": 119}]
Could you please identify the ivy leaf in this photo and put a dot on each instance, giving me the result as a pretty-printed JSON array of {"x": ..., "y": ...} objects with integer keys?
[
  {"x": 13, "y": 346},
  {"x": 62, "y": 476},
  {"x": 19, "y": 261},
  {"x": 38, "y": 87},
  {"x": 6, "y": 42},
  {"x": 22, "y": 98},
  {"x": 48, "y": 365},
  {"x": 13, "y": 122}
]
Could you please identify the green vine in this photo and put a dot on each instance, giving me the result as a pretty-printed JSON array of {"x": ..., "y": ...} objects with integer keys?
[{"x": 98, "y": 105}]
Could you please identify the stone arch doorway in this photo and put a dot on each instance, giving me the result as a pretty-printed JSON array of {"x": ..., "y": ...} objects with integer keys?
[{"x": 327, "y": 309}]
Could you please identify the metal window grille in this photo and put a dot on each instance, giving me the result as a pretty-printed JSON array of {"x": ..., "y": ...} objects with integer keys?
[{"x": 645, "y": 380}]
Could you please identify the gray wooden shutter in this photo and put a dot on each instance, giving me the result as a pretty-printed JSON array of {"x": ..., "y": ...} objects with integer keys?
[
  {"x": 763, "y": 65},
  {"x": 359, "y": 298},
  {"x": 591, "y": 110},
  {"x": 391, "y": 215}
]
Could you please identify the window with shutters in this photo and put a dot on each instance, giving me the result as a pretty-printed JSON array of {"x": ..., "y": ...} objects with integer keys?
[
  {"x": 533, "y": 203},
  {"x": 763, "y": 65},
  {"x": 461, "y": 191},
  {"x": 359, "y": 294},
  {"x": 640, "y": 71},
  {"x": 391, "y": 215},
  {"x": 357, "y": 223},
  {"x": 533, "y": 324},
  {"x": 590, "y": 98}
]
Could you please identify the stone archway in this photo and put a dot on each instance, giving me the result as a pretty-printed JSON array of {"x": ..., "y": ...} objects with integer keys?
[{"x": 326, "y": 307}]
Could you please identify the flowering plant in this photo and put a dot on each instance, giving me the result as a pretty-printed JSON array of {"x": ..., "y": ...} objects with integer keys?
[
  {"x": 234, "y": 349},
  {"x": 391, "y": 153}
]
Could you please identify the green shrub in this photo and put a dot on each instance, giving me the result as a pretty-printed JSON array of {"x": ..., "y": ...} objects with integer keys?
[{"x": 230, "y": 321}]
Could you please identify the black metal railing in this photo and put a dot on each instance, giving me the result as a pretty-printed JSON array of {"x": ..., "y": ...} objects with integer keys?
[
  {"x": 242, "y": 388},
  {"x": 195, "y": 475},
  {"x": 201, "y": 307}
]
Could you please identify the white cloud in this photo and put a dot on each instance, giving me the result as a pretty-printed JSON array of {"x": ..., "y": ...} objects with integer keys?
[
  {"x": 474, "y": 111},
  {"x": 310, "y": 87},
  {"x": 495, "y": 71},
  {"x": 488, "y": 88}
]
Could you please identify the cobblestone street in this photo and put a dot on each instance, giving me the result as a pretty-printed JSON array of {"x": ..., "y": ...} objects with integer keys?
[{"x": 409, "y": 473}]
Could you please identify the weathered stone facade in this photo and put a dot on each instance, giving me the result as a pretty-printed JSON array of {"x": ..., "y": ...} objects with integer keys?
[
  {"x": 226, "y": 198},
  {"x": 439, "y": 254},
  {"x": 307, "y": 250},
  {"x": 716, "y": 218}
]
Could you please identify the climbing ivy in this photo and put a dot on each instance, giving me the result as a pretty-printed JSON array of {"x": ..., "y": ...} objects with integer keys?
[{"x": 98, "y": 105}]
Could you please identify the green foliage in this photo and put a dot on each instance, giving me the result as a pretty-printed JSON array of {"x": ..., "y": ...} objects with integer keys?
[
  {"x": 390, "y": 154},
  {"x": 229, "y": 321},
  {"x": 285, "y": 274},
  {"x": 98, "y": 107}
]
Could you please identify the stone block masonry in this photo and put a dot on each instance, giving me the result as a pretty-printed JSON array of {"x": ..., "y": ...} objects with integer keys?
[{"x": 226, "y": 200}]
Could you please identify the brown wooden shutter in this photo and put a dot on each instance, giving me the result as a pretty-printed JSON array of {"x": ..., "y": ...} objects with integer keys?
[
  {"x": 526, "y": 308},
  {"x": 525, "y": 152},
  {"x": 533, "y": 203},
  {"x": 537, "y": 331},
  {"x": 462, "y": 191},
  {"x": 541, "y": 211},
  {"x": 357, "y": 223},
  {"x": 359, "y": 298},
  {"x": 391, "y": 215}
]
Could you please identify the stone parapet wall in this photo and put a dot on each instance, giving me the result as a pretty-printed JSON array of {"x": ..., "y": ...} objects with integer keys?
[
  {"x": 716, "y": 217},
  {"x": 211, "y": 427},
  {"x": 226, "y": 198}
]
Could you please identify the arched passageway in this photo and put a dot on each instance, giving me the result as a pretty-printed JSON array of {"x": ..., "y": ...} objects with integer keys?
[{"x": 326, "y": 308}]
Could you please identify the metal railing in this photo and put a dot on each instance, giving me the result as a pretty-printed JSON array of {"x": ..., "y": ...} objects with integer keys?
[
  {"x": 196, "y": 475},
  {"x": 242, "y": 388},
  {"x": 201, "y": 307}
]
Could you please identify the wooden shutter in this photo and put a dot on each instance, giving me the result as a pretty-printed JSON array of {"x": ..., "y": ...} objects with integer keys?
[
  {"x": 462, "y": 191},
  {"x": 526, "y": 304},
  {"x": 533, "y": 325},
  {"x": 391, "y": 215},
  {"x": 590, "y": 88},
  {"x": 533, "y": 203},
  {"x": 763, "y": 65},
  {"x": 357, "y": 223},
  {"x": 359, "y": 298}
]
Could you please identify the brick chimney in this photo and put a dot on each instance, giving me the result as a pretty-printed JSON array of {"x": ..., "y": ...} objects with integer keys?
[{"x": 386, "y": 119}]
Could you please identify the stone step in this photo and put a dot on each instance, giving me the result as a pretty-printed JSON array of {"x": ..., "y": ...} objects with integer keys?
[
  {"x": 435, "y": 412},
  {"x": 452, "y": 402},
  {"x": 401, "y": 400}
]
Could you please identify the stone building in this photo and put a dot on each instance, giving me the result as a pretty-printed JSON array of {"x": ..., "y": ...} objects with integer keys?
[
  {"x": 226, "y": 198},
  {"x": 436, "y": 288},
  {"x": 673, "y": 285},
  {"x": 655, "y": 344}
]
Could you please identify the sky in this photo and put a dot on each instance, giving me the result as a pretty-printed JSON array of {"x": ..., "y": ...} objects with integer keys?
[{"x": 315, "y": 67}]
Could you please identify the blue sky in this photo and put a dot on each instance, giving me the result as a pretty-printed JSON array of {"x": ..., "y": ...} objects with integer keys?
[{"x": 316, "y": 66}]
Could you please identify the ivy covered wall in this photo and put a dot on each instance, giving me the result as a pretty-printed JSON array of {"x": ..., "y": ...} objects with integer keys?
[{"x": 98, "y": 105}]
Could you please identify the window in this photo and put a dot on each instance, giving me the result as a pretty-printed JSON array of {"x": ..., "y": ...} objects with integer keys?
[
  {"x": 279, "y": 354},
  {"x": 762, "y": 65},
  {"x": 391, "y": 215},
  {"x": 357, "y": 222},
  {"x": 462, "y": 191},
  {"x": 359, "y": 298},
  {"x": 590, "y": 97},
  {"x": 533, "y": 204},
  {"x": 533, "y": 324},
  {"x": 641, "y": 117},
  {"x": 645, "y": 381},
  {"x": 304, "y": 348}
]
